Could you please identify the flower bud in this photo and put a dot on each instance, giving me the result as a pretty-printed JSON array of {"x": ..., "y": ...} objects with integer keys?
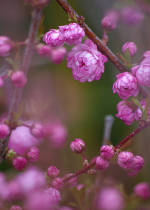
[
  {"x": 77, "y": 146},
  {"x": 125, "y": 159},
  {"x": 53, "y": 171},
  {"x": 19, "y": 163},
  {"x": 142, "y": 190},
  {"x": 54, "y": 38},
  {"x": 4, "y": 131},
  {"x": 101, "y": 163},
  {"x": 33, "y": 154},
  {"x": 19, "y": 79},
  {"x": 131, "y": 47},
  {"x": 107, "y": 152}
]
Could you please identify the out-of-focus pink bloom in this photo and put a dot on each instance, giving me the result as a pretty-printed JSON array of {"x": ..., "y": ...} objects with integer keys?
[
  {"x": 126, "y": 85},
  {"x": 57, "y": 55},
  {"x": 72, "y": 33},
  {"x": 21, "y": 140},
  {"x": 107, "y": 152},
  {"x": 110, "y": 199},
  {"x": 125, "y": 159},
  {"x": 53, "y": 171},
  {"x": 131, "y": 47},
  {"x": 77, "y": 145},
  {"x": 16, "y": 208},
  {"x": 53, "y": 194},
  {"x": 101, "y": 163},
  {"x": 55, "y": 132},
  {"x": 14, "y": 191},
  {"x": 136, "y": 165},
  {"x": 33, "y": 154},
  {"x": 19, "y": 163},
  {"x": 1, "y": 82},
  {"x": 86, "y": 61},
  {"x": 44, "y": 50},
  {"x": 37, "y": 130},
  {"x": 4, "y": 131},
  {"x": 31, "y": 180},
  {"x": 126, "y": 112},
  {"x": 4, "y": 187},
  {"x": 142, "y": 190},
  {"x": 54, "y": 38},
  {"x": 110, "y": 20},
  {"x": 19, "y": 79},
  {"x": 146, "y": 54},
  {"x": 57, "y": 183},
  {"x": 5, "y": 46},
  {"x": 131, "y": 15},
  {"x": 143, "y": 72}
]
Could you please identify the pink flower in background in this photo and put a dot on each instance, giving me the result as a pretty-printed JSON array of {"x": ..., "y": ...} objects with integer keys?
[
  {"x": 72, "y": 33},
  {"x": 142, "y": 190},
  {"x": 5, "y": 46},
  {"x": 44, "y": 50},
  {"x": 110, "y": 20},
  {"x": 19, "y": 79},
  {"x": 101, "y": 163},
  {"x": 126, "y": 85},
  {"x": 21, "y": 140},
  {"x": 58, "y": 55},
  {"x": 86, "y": 61},
  {"x": 77, "y": 145},
  {"x": 131, "y": 47},
  {"x": 143, "y": 72},
  {"x": 126, "y": 112},
  {"x": 19, "y": 163}
]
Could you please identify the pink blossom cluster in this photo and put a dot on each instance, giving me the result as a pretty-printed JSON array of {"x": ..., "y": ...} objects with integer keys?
[{"x": 130, "y": 163}]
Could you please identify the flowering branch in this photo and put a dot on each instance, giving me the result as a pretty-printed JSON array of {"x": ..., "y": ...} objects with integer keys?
[{"x": 100, "y": 45}]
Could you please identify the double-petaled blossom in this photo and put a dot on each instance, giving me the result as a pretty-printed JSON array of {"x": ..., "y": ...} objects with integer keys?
[
  {"x": 77, "y": 145},
  {"x": 5, "y": 46},
  {"x": 86, "y": 61},
  {"x": 126, "y": 85},
  {"x": 72, "y": 33},
  {"x": 54, "y": 38},
  {"x": 107, "y": 152},
  {"x": 131, "y": 47},
  {"x": 126, "y": 112}
]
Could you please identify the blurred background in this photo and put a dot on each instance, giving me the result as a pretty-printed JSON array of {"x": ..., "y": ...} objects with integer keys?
[{"x": 53, "y": 93}]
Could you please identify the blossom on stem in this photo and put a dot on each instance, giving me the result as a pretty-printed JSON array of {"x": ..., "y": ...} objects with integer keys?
[
  {"x": 58, "y": 54},
  {"x": 44, "y": 50},
  {"x": 136, "y": 165},
  {"x": 72, "y": 33},
  {"x": 19, "y": 163},
  {"x": 126, "y": 112},
  {"x": 101, "y": 163},
  {"x": 4, "y": 131},
  {"x": 142, "y": 190},
  {"x": 77, "y": 146},
  {"x": 53, "y": 171},
  {"x": 126, "y": 85},
  {"x": 57, "y": 183},
  {"x": 33, "y": 154},
  {"x": 107, "y": 151},
  {"x": 54, "y": 38},
  {"x": 131, "y": 47},
  {"x": 143, "y": 72},
  {"x": 86, "y": 61},
  {"x": 125, "y": 159},
  {"x": 19, "y": 79},
  {"x": 5, "y": 46}
]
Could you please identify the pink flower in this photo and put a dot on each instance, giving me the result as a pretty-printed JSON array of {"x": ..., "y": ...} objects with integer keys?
[
  {"x": 53, "y": 194},
  {"x": 131, "y": 15},
  {"x": 57, "y": 183},
  {"x": 107, "y": 152},
  {"x": 4, "y": 131},
  {"x": 44, "y": 50},
  {"x": 110, "y": 20},
  {"x": 53, "y": 171},
  {"x": 126, "y": 112},
  {"x": 86, "y": 61},
  {"x": 110, "y": 198},
  {"x": 126, "y": 85},
  {"x": 143, "y": 72},
  {"x": 72, "y": 33},
  {"x": 136, "y": 165},
  {"x": 5, "y": 46},
  {"x": 33, "y": 154},
  {"x": 21, "y": 140},
  {"x": 19, "y": 79},
  {"x": 142, "y": 190},
  {"x": 57, "y": 55},
  {"x": 54, "y": 38},
  {"x": 1, "y": 82},
  {"x": 101, "y": 163},
  {"x": 131, "y": 47},
  {"x": 19, "y": 163},
  {"x": 125, "y": 159},
  {"x": 77, "y": 145}
]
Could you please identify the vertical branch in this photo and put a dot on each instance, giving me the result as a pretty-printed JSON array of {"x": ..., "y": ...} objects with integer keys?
[{"x": 26, "y": 62}]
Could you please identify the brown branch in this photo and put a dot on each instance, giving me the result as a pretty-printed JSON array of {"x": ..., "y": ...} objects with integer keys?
[{"x": 91, "y": 35}]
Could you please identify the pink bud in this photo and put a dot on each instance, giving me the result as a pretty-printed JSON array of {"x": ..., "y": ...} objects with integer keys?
[
  {"x": 5, "y": 46},
  {"x": 57, "y": 183},
  {"x": 4, "y": 131},
  {"x": 19, "y": 163},
  {"x": 125, "y": 159},
  {"x": 33, "y": 154},
  {"x": 37, "y": 130},
  {"x": 44, "y": 50},
  {"x": 54, "y": 38},
  {"x": 131, "y": 47},
  {"x": 142, "y": 190},
  {"x": 101, "y": 163},
  {"x": 19, "y": 79},
  {"x": 53, "y": 171},
  {"x": 107, "y": 152},
  {"x": 77, "y": 146},
  {"x": 109, "y": 22}
]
